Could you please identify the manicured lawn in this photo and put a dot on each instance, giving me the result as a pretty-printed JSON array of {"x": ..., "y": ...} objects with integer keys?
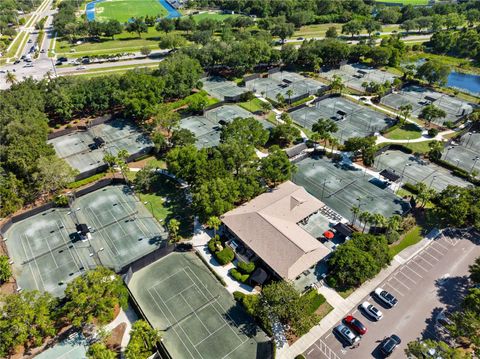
[
  {"x": 186, "y": 101},
  {"x": 123, "y": 10},
  {"x": 411, "y": 237},
  {"x": 213, "y": 16},
  {"x": 407, "y": 132},
  {"x": 319, "y": 30},
  {"x": 166, "y": 200},
  {"x": 125, "y": 42},
  {"x": 252, "y": 105},
  {"x": 420, "y": 147},
  {"x": 346, "y": 293}
]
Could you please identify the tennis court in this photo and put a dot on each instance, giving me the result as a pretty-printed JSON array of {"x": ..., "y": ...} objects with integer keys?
[
  {"x": 207, "y": 128},
  {"x": 414, "y": 170},
  {"x": 48, "y": 253},
  {"x": 353, "y": 120},
  {"x": 341, "y": 187},
  {"x": 353, "y": 76},
  {"x": 73, "y": 347},
  {"x": 222, "y": 89},
  {"x": 465, "y": 153},
  {"x": 198, "y": 317},
  {"x": 79, "y": 149},
  {"x": 419, "y": 97},
  {"x": 282, "y": 82}
]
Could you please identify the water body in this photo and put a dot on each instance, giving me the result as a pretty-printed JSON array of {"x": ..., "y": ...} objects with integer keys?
[
  {"x": 467, "y": 82},
  {"x": 90, "y": 9}
]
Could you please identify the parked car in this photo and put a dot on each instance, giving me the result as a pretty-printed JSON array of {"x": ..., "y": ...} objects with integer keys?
[
  {"x": 387, "y": 298},
  {"x": 355, "y": 324},
  {"x": 28, "y": 65},
  {"x": 389, "y": 344},
  {"x": 372, "y": 311},
  {"x": 16, "y": 62},
  {"x": 30, "y": 41},
  {"x": 346, "y": 334},
  {"x": 81, "y": 67},
  {"x": 300, "y": 38},
  {"x": 62, "y": 59}
]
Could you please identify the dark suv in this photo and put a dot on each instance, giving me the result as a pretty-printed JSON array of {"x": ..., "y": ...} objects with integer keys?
[{"x": 389, "y": 344}]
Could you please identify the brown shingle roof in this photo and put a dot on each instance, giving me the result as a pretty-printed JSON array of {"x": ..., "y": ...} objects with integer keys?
[{"x": 268, "y": 225}]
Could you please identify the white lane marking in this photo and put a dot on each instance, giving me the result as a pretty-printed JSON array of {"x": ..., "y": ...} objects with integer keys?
[
  {"x": 441, "y": 245},
  {"x": 406, "y": 276},
  {"x": 395, "y": 289},
  {"x": 436, "y": 250},
  {"x": 411, "y": 270},
  {"x": 431, "y": 255},
  {"x": 310, "y": 351},
  {"x": 401, "y": 282},
  {"x": 420, "y": 266},
  {"x": 423, "y": 259}
]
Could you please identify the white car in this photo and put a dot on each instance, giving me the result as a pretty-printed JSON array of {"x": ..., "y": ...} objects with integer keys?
[
  {"x": 81, "y": 68},
  {"x": 387, "y": 298},
  {"x": 372, "y": 311}
]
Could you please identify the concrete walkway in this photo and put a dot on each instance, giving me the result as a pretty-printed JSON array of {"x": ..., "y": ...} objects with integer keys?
[
  {"x": 128, "y": 317},
  {"x": 199, "y": 242},
  {"x": 343, "y": 306}
]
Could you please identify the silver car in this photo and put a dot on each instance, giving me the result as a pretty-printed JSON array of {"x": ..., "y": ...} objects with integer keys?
[
  {"x": 346, "y": 334},
  {"x": 372, "y": 311}
]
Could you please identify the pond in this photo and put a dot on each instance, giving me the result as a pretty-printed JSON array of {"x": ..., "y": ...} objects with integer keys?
[{"x": 467, "y": 82}]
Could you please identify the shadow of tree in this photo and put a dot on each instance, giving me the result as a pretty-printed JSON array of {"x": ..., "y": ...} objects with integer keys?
[{"x": 452, "y": 290}]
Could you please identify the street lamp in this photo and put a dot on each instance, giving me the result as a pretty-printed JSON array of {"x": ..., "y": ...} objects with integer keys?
[
  {"x": 404, "y": 167},
  {"x": 469, "y": 137},
  {"x": 448, "y": 150},
  {"x": 431, "y": 182},
  {"x": 474, "y": 163}
]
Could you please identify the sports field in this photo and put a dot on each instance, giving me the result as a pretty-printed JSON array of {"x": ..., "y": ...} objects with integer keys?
[
  {"x": 465, "y": 153},
  {"x": 414, "y": 170},
  {"x": 341, "y": 186},
  {"x": 48, "y": 253},
  {"x": 79, "y": 151},
  {"x": 123, "y": 10},
  {"x": 221, "y": 88},
  {"x": 352, "y": 119},
  {"x": 198, "y": 318}
]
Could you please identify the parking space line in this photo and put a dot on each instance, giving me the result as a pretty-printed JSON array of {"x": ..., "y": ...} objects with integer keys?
[
  {"x": 395, "y": 289},
  {"x": 310, "y": 351},
  {"x": 406, "y": 276},
  {"x": 401, "y": 283},
  {"x": 411, "y": 270},
  {"x": 436, "y": 250},
  {"x": 420, "y": 266},
  {"x": 431, "y": 255},
  {"x": 421, "y": 258},
  {"x": 441, "y": 245}
]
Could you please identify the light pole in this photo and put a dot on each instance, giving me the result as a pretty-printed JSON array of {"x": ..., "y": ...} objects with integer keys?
[
  {"x": 431, "y": 182},
  {"x": 448, "y": 150},
  {"x": 404, "y": 167},
  {"x": 474, "y": 163},
  {"x": 469, "y": 137}
]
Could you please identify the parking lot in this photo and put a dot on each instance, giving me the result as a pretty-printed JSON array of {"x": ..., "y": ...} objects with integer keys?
[{"x": 433, "y": 279}]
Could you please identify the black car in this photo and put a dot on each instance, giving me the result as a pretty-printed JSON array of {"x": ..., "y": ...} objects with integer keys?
[
  {"x": 62, "y": 59},
  {"x": 16, "y": 62},
  {"x": 389, "y": 344}
]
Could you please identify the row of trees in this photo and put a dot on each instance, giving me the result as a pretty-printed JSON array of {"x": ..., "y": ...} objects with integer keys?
[
  {"x": 30, "y": 317},
  {"x": 463, "y": 43},
  {"x": 224, "y": 176}
]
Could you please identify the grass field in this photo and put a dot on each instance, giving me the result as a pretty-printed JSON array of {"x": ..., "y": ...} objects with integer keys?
[
  {"x": 411, "y": 237},
  {"x": 406, "y": 132},
  {"x": 252, "y": 105},
  {"x": 319, "y": 30},
  {"x": 213, "y": 16},
  {"x": 123, "y": 10},
  {"x": 406, "y": 2}
]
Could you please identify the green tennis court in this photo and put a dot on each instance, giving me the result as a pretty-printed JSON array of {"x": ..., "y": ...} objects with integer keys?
[
  {"x": 47, "y": 252},
  {"x": 221, "y": 88},
  {"x": 465, "y": 153},
  {"x": 414, "y": 170},
  {"x": 341, "y": 187},
  {"x": 353, "y": 120},
  {"x": 198, "y": 317},
  {"x": 123, "y": 10}
]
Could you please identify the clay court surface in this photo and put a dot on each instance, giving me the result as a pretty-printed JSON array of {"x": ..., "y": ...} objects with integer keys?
[{"x": 198, "y": 317}]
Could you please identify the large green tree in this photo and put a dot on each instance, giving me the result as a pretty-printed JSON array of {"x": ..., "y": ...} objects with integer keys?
[
  {"x": 246, "y": 131},
  {"x": 430, "y": 113},
  {"x": 434, "y": 72},
  {"x": 143, "y": 339},
  {"x": 94, "y": 295},
  {"x": 276, "y": 167},
  {"x": 5, "y": 270},
  {"x": 99, "y": 350}
]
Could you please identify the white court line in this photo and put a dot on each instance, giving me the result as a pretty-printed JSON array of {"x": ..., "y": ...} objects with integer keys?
[
  {"x": 209, "y": 334},
  {"x": 36, "y": 264},
  {"x": 51, "y": 253},
  {"x": 411, "y": 270},
  {"x": 166, "y": 306},
  {"x": 194, "y": 312},
  {"x": 30, "y": 264},
  {"x": 179, "y": 293},
  {"x": 66, "y": 243},
  {"x": 395, "y": 289},
  {"x": 223, "y": 309},
  {"x": 431, "y": 255}
]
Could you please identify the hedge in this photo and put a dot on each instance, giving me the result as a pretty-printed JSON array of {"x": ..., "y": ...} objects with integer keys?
[
  {"x": 411, "y": 187},
  {"x": 239, "y": 276},
  {"x": 246, "y": 268},
  {"x": 225, "y": 256},
  {"x": 85, "y": 181}
]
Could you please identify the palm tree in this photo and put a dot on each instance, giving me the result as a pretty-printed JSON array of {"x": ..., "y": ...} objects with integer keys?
[
  {"x": 379, "y": 220},
  {"x": 173, "y": 227},
  {"x": 365, "y": 218},
  {"x": 334, "y": 142},
  {"x": 393, "y": 223},
  {"x": 214, "y": 222},
  {"x": 289, "y": 94},
  {"x": 10, "y": 78},
  {"x": 424, "y": 194},
  {"x": 404, "y": 111},
  {"x": 111, "y": 161},
  {"x": 355, "y": 210},
  {"x": 337, "y": 84}
]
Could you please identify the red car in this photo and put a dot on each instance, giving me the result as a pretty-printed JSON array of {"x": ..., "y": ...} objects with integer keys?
[{"x": 355, "y": 324}]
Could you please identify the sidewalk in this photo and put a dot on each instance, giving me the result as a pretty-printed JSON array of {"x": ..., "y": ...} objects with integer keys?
[
  {"x": 199, "y": 242},
  {"x": 343, "y": 306},
  {"x": 128, "y": 317}
]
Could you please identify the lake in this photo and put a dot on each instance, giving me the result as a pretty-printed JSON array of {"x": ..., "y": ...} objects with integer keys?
[{"x": 466, "y": 82}]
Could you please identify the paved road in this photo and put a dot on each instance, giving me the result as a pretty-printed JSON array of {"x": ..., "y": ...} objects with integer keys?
[{"x": 433, "y": 279}]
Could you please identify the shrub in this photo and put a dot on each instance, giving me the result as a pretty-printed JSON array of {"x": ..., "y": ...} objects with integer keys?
[
  {"x": 449, "y": 124},
  {"x": 250, "y": 302},
  {"x": 225, "y": 256},
  {"x": 432, "y": 132},
  {"x": 246, "y": 267},
  {"x": 61, "y": 200},
  {"x": 392, "y": 237},
  {"x": 408, "y": 223},
  {"x": 213, "y": 243},
  {"x": 410, "y": 187},
  {"x": 238, "y": 275},
  {"x": 238, "y": 296}
]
